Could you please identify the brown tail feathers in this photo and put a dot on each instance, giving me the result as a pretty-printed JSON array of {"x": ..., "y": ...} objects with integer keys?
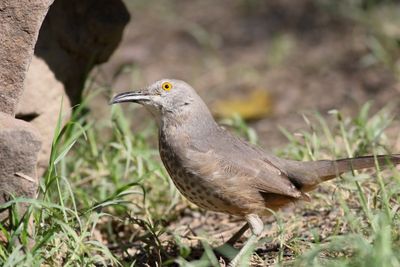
[{"x": 306, "y": 175}]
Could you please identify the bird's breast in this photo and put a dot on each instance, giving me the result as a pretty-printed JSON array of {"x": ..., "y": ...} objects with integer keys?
[{"x": 201, "y": 191}]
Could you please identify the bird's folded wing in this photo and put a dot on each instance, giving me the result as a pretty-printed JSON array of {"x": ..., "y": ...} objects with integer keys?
[{"x": 235, "y": 171}]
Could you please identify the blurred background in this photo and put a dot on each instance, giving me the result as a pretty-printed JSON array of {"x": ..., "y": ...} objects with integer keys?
[{"x": 268, "y": 61}]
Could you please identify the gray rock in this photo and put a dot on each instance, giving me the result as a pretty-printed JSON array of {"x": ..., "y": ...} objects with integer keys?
[
  {"x": 20, "y": 144},
  {"x": 76, "y": 36},
  {"x": 20, "y": 22}
]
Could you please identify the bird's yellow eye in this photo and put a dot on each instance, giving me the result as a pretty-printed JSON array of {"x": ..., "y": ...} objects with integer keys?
[{"x": 166, "y": 86}]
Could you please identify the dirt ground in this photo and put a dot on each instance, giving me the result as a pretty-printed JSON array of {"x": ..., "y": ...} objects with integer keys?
[{"x": 306, "y": 57}]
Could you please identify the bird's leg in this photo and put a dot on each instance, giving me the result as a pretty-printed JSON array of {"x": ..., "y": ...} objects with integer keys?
[
  {"x": 237, "y": 235},
  {"x": 256, "y": 226},
  {"x": 226, "y": 248}
]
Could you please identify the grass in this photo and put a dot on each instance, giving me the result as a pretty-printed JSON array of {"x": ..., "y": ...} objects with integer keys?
[
  {"x": 378, "y": 18},
  {"x": 367, "y": 201},
  {"x": 111, "y": 203}
]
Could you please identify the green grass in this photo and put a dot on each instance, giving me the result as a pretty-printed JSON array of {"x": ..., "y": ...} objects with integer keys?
[
  {"x": 378, "y": 18},
  {"x": 368, "y": 201},
  {"x": 111, "y": 203}
]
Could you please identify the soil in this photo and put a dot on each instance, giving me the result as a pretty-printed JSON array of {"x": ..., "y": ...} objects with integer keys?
[{"x": 305, "y": 56}]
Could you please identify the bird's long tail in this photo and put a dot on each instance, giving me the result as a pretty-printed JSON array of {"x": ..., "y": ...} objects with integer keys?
[{"x": 306, "y": 175}]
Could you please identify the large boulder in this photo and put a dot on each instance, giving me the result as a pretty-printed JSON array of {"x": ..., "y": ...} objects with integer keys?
[
  {"x": 76, "y": 36},
  {"x": 19, "y": 141}
]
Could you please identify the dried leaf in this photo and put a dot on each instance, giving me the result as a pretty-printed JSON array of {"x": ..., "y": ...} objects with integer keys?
[{"x": 257, "y": 105}]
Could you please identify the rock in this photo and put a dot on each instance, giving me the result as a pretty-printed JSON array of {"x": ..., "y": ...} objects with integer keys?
[
  {"x": 77, "y": 35},
  {"x": 19, "y": 147},
  {"x": 20, "y": 21},
  {"x": 40, "y": 105},
  {"x": 20, "y": 143}
]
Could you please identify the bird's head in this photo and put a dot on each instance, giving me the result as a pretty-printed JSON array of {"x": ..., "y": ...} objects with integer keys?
[{"x": 164, "y": 98}]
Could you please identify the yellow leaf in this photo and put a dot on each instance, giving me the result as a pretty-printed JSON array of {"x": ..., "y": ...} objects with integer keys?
[{"x": 255, "y": 106}]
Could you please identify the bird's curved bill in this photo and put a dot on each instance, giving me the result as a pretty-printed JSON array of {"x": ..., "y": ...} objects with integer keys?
[{"x": 137, "y": 97}]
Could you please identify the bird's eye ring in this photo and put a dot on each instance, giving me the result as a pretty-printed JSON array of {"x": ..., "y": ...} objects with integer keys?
[{"x": 166, "y": 86}]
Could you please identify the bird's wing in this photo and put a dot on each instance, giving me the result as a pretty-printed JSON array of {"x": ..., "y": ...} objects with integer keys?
[{"x": 235, "y": 170}]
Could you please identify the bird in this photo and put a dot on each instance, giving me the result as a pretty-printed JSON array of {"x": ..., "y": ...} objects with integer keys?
[{"x": 219, "y": 171}]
